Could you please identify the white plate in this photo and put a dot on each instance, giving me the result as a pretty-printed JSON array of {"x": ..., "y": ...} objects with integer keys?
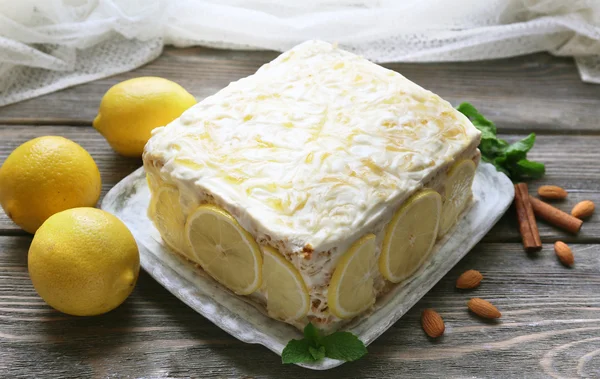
[{"x": 128, "y": 200}]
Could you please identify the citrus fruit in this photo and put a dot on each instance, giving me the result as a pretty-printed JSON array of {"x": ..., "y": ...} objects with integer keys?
[
  {"x": 83, "y": 261},
  {"x": 168, "y": 218},
  {"x": 44, "y": 176},
  {"x": 351, "y": 288},
  {"x": 410, "y": 235},
  {"x": 131, "y": 109},
  {"x": 224, "y": 249},
  {"x": 287, "y": 296},
  {"x": 457, "y": 193}
]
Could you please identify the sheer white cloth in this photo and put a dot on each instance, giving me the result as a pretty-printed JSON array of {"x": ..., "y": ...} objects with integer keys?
[{"x": 47, "y": 45}]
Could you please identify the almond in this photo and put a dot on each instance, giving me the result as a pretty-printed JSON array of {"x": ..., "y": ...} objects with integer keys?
[
  {"x": 564, "y": 253},
  {"x": 469, "y": 279},
  {"x": 483, "y": 308},
  {"x": 552, "y": 192},
  {"x": 583, "y": 209},
  {"x": 432, "y": 323}
]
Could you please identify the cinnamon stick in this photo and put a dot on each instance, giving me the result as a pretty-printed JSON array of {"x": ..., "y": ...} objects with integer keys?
[
  {"x": 527, "y": 225},
  {"x": 555, "y": 216}
]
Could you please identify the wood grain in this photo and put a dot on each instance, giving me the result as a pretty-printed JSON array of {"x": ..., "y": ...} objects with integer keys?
[
  {"x": 532, "y": 92},
  {"x": 571, "y": 162},
  {"x": 551, "y": 314},
  {"x": 550, "y": 326}
]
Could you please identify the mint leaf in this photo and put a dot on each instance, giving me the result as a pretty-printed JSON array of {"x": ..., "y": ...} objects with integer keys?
[
  {"x": 297, "y": 351},
  {"x": 510, "y": 159},
  {"x": 317, "y": 354},
  {"x": 519, "y": 149},
  {"x": 314, "y": 346},
  {"x": 523, "y": 145},
  {"x": 499, "y": 164},
  {"x": 344, "y": 346},
  {"x": 312, "y": 334},
  {"x": 471, "y": 112},
  {"x": 492, "y": 146},
  {"x": 531, "y": 169}
]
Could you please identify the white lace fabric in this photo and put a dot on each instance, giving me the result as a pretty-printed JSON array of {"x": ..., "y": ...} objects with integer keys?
[{"x": 47, "y": 45}]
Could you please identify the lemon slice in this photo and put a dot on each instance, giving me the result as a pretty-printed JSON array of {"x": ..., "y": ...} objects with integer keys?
[
  {"x": 224, "y": 249},
  {"x": 457, "y": 193},
  {"x": 351, "y": 288},
  {"x": 168, "y": 217},
  {"x": 287, "y": 296},
  {"x": 410, "y": 236},
  {"x": 151, "y": 183}
]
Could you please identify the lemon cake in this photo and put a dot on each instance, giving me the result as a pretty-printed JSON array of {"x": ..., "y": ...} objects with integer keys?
[{"x": 313, "y": 186}]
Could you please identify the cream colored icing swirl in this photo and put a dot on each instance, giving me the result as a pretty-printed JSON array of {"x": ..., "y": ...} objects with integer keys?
[{"x": 315, "y": 145}]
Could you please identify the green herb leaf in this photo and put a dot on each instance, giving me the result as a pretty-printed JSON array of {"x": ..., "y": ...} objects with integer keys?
[
  {"x": 317, "y": 354},
  {"x": 312, "y": 334},
  {"x": 510, "y": 159},
  {"x": 491, "y": 147},
  {"x": 531, "y": 169},
  {"x": 344, "y": 346},
  {"x": 314, "y": 347},
  {"x": 523, "y": 145},
  {"x": 519, "y": 149},
  {"x": 471, "y": 112},
  {"x": 501, "y": 168},
  {"x": 297, "y": 351}
]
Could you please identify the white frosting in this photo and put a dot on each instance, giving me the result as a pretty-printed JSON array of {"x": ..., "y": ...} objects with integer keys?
[{"x": 313, "y": 147}]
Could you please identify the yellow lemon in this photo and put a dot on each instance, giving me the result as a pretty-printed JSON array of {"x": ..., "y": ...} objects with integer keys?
[
  {"x": 169, "y": 219},
  {"x": 83, "y": 261},
  {"x": 457, "y": 193},
  {"x": 351, "y": 290},
  {"x": 131, "y": 109},
  {"x": 224, "y": 249},
  {"x": 287, "y": 295},
  {"x": 410, "y": 236},
  {"x": 44, "y": 176}
]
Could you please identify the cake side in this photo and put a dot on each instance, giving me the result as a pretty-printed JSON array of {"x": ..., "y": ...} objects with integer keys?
[{"x": 315, "y": 267}]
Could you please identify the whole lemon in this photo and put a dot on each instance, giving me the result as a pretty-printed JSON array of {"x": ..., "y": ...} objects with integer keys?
[
  {"x": 83, "y": 261},
  {"x": 131, "y": 109},
  {"x": 44, "y": 176}
]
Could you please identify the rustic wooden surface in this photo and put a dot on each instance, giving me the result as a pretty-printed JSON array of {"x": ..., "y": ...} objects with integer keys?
[{"x": 551, "y": 314}]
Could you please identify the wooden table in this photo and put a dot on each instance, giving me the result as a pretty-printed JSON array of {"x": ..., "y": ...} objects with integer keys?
[{"x": 551, "y": 314}]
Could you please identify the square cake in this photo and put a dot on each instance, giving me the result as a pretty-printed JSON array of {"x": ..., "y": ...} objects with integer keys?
[{"x": 313, "y": 186}]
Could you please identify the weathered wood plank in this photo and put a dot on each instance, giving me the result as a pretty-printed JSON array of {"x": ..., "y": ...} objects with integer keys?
[
  {"x": 533, "y": 92},
  {"x": 550, "y": 326},
  {"x": 571, "y": 163}
]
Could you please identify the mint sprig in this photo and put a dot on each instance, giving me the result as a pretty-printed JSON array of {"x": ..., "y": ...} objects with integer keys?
[
  {"x": 510, "y": 159},
  {"x": 344, "y": 346},
  {"x": 314, "y": 346}
]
